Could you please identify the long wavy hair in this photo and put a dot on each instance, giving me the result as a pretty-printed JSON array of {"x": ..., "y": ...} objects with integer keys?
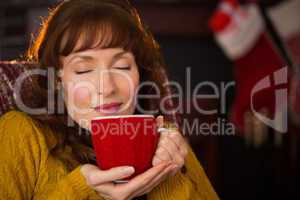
[{"x": 103, "y": 24}]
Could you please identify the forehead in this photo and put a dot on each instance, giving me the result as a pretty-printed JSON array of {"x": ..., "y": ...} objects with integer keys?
[
  {"x": 92, "y": 55},
  {"x": 98, "y": 34}
]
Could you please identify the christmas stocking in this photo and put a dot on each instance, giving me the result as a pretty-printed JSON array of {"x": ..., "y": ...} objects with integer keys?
[
  {"x": 283, "y": 18},
  {"x": 258, "y": 67}
]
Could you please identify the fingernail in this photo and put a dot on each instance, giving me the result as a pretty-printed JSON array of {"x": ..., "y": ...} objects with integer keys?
[{"x": 128, "y": 170}]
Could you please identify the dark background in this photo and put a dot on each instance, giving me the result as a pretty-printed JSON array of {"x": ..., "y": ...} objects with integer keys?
[{"x": 237, "y": 171}]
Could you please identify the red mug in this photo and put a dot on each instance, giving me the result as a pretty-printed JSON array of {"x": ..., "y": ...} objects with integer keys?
[{"x": 125, "y": 140}]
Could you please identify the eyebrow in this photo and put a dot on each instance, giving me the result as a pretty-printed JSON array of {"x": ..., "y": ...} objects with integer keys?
[
  {"x": 119, "y": 55},
  {"x": 90, "y": 58}
]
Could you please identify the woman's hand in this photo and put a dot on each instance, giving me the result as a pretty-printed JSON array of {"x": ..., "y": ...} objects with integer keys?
[
  {"x": 171, "y": 147},
  {"x": 102, "y": 180}
]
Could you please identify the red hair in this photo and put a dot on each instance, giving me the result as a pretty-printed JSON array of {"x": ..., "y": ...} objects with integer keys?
[{"x": 99, "y": 24}]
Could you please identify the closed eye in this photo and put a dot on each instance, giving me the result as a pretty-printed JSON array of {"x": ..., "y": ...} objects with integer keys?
[
  {"x": 83, "y": 72},
  {"x": 124, "y": 68}
]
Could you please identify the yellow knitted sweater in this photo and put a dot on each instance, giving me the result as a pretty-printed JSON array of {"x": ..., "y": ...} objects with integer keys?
[{"x": 29, "y": 171}]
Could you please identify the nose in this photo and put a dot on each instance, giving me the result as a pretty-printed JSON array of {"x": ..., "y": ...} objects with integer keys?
[{"x": 106, "y": 83}]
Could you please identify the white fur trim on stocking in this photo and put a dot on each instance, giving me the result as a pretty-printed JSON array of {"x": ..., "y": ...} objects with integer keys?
[{"x": 240, "y": 35}]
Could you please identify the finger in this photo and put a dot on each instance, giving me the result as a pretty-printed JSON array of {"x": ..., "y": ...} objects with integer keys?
[
  {"x": 173, "y": 151},
  {"x": 177, "y": 143},
  {"x": 169, "y": 146},
  {"x": 143, "y": 179},
  {"x": 177, "y": 138},
  {"x": 156, "y": 161},
  {"x": 163, "y": 154},
  {"x": 175, "y": 170},
  {"x": 160, "y": 121},
  {"x": 156, "y": 181},
  {"x": 104, "y": 196},
  {"x": 180, "y": 142},
  {"x": 97, "y": 177},
  {"x": 170, "y": 143},
  {"x": 105, "y": 188},
  {"x": 166, "y": 172},
  {"x": 184, "y": 149},
  {"x": 157, "y": 158}
]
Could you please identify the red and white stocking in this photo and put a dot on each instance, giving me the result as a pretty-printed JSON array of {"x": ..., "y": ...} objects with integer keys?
[{"x": 258, "y": 66}]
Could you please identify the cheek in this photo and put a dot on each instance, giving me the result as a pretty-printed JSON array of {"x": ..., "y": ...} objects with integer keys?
[
  {"x": 79, "y": 96},
  {"x": 82, "y": 95},
  {"x": 128, "y": 86}
]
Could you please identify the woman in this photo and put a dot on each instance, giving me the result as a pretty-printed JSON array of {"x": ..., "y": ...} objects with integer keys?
[{"x": 102, "y": 52}]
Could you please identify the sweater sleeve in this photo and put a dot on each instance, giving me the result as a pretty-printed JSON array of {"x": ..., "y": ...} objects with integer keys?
[
  {"x": 23, "y": 150},
  {"x": 186, "y": 185},
  {"x": 72, "y": 187}
]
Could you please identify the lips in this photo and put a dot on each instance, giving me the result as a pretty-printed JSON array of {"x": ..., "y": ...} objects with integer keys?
[{"x": 109, "y": 107}]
